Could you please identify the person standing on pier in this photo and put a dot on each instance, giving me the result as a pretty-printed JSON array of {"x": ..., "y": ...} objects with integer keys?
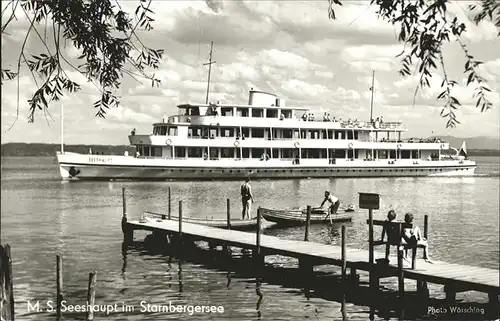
[
  {"x": 246, "y": 199},
  {"x": 334, "y": 201}
]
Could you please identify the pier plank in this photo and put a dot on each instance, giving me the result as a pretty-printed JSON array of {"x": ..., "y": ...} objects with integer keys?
[{"x": 461, "y": 276}]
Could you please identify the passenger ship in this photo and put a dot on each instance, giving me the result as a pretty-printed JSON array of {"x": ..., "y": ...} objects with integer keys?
[{"x": 267, "y": 139}]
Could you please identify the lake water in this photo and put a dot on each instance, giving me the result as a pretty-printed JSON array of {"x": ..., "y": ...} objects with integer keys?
[{"x": 42, "y": 217}]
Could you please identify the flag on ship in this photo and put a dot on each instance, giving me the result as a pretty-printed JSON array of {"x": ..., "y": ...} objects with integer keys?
[{"x": 463, "y": 150}]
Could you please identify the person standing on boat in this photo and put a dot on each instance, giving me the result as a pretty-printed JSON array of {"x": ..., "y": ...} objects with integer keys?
[
  {"x": 246, "y": 199},
  {"x": 334, "y": 201}
]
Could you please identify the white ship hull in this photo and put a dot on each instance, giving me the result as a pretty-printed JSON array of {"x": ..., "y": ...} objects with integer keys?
[{"x": 111, "y": 167}]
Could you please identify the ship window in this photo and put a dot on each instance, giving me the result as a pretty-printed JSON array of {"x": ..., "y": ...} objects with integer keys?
[
  {"x": 257, "y": 112},
  {"x": 156, "y": 151},
  {"x": 226, "y": 132},
  {"x": 242, "y": 112},
  {"x": 287, "y": 113},
  {"x": 271, "y": 113},
  {"x": 172, "y": 130},
  {"x": 258, "y": 132},
  {"x": 195, "y": 151},
  {"x": 226, "y": 111},
  {"x": 227, "y": 152},
  {"x": 180, "y": 152}
]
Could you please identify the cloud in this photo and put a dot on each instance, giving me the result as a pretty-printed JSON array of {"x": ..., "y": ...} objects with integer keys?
[
  {"x": 215, "y": 5},
  {"x": 290, "y": 48}
]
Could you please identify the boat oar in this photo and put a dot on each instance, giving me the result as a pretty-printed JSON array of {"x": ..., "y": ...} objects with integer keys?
[{"x": 328, "y": 215}]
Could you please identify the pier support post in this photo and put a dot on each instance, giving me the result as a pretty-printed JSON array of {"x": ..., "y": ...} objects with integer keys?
[
  {"x": 59, "y": 284},
  {"x": 308, "y": 223},
  {"x": 344, "y": 268},
  {"x": 306, "y": 267},
  {"x": 91, "y": 295},
  {"x": 426, "y": 226},
  {"x": 228, "y": 213},
  {"x": 6, "y": 284},
  {"x": 257, "y": 254},
  {"x": 226, "y": 248},
  {"x": 451, "y": 293},
  {"x": 128, "y": 232},
  {"x": 423, "y": 295},
  {"x": 169, "y": 204},
  {"x": 180, "y": 221},
  {"x": 401, "y": 279},
  {"x": 372, "y": 275}
]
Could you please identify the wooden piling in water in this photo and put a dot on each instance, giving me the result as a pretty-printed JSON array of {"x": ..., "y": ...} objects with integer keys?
[
  {"x": 257, "y": 251},
  {"x": 257, "y": 240},
  {"x": 7, "y": 309},
  {"x": 371, "y": 259},
  {"x": 401, "y": 279},
  {"x": 91, "y": 295},
  {"x": 128, "y": 233},
  {"x": 343, "y": 241},
  {"x": 59, "y": 284},
  {"x": 228, "y": 213},
  {"x": 169, "y": 204},
  {"x": 180, "y": 220},
  {"x": 426, "y": 225},
  {"x": 308, "y": 223}
]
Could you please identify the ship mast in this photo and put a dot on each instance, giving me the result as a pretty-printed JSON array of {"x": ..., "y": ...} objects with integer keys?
[
  {"x": 372, "y": 88},
  {"x": 209, "y": 63},
  {"x": 62, "y": 128}
]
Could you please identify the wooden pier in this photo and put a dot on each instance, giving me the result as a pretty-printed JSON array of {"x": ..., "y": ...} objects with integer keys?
[
  {"x": 455, "y": 277},
  {"x": 459, "y": 276}
]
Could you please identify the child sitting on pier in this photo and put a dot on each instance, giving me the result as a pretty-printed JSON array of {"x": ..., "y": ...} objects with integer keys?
[
  {"x": 390, "y": 230},
  {"x": 413, "y": 237}
]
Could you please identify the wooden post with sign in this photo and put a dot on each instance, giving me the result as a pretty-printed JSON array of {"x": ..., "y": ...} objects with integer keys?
[{"x": 370, "y": 201}]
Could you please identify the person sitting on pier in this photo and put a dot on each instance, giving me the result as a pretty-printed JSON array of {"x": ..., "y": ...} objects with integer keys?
[
  {"x": 334, "y": 201},
  {"x": 413, "y": 237},
  {"x": 389, "y": 229},
  {"x": 304, "y": 116},
  {"x": 246, "y": 199}
]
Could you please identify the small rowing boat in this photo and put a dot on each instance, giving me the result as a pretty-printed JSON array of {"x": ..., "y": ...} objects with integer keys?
[
  {"x": 236, "y": 224},
  {"x": 297, "y": 216}
]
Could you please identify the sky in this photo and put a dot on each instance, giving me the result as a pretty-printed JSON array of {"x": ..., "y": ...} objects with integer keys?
[{"x": 290, "y": 48}]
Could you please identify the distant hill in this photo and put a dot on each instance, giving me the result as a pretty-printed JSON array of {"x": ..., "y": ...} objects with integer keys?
[
  {"x": 480, "y": 142},
  {"x": 476, "y": 146},
  {"x": 23, "y": 149}
]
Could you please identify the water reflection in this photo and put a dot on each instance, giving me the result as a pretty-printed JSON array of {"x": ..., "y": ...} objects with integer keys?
[
  {"x": 179, "y": 273},
  {"x": 260, "y": 295},
  {"x": 124, "y": 259}
]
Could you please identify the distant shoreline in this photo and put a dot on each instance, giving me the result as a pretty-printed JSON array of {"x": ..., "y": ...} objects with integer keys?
[{"x": 37, "y": 150}]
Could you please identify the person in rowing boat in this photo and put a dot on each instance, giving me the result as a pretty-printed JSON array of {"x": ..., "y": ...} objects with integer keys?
[
  {"x": 246, "y": 199},
  {"x": 334, "y": 201}
]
